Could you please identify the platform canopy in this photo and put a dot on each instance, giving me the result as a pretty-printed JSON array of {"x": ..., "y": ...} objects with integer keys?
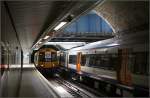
[
  {"x": 86, "y": 28},
  {"x": 66, "y": 45}
]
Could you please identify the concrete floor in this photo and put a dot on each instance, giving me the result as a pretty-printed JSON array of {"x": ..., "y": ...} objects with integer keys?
[{"x": 26, "y": 83}]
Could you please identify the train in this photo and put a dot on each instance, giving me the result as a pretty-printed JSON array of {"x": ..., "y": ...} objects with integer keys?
[
  {"x": 125, "y": 63},
  {"x": 45, "y": 59},
  {"x": 122, "y": 58},
  {"x": 108, "y": 62}
]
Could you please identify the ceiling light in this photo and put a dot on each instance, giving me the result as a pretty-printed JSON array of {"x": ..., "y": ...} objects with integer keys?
[
  {"x": 59, "y": 26},
  {"x": 46, "y": 37},
  {"x": 60, "y": 89},
  {"x": 113, "y": 44},
  {"x": 40, "y": 39},
  {"x": 40, "y": 42}
]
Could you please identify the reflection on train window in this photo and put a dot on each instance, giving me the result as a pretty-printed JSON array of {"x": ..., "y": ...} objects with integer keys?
[
  {"x": 72, "y": 59},
  {"x": 140, "y": 65},
  {"x": 105, "y": 61},
  {"x": 83, "y": 60}
]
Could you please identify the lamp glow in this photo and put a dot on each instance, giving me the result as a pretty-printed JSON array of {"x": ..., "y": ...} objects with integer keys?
[
  {"x": 113, "y": 44},
  {"x": 60, "y": 89},
  {"x": 59, "y": 26},
  {"x": 46, "y": 37},
  {"x": 40, "y": 42}
]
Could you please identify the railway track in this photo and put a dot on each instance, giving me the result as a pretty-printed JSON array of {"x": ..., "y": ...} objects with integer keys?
[{"x": 75, "y": 91}]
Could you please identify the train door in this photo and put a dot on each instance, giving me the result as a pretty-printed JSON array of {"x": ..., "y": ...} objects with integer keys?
[
  {"x": 123, "y": 72},
  {"x": 78, "y": 65}
]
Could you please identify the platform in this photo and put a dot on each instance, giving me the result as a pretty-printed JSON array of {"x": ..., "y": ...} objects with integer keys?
[{"x": 28, "y": 83}]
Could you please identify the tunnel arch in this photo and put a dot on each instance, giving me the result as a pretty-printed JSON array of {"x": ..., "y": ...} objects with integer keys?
[
  {"x": 105, "y": 20},
  {"x": 89, "y": 22},
  {"x": 123, "y": 15}
]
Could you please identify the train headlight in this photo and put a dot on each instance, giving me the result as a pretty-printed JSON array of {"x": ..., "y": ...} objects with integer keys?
[{"x": 42, "y": 65}]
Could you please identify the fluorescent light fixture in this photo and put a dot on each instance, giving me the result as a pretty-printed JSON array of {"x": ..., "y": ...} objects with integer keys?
[
  {"x": 40, "y": 42},
  {"x": 59, "y": 26},
  {"x": 113, "y": 44},
  {"x": 46, "y": 37},
  {"x": 35, "y": 49},
  {"x": 66, "y": 45},
  {"x": 60, "y": 89}
]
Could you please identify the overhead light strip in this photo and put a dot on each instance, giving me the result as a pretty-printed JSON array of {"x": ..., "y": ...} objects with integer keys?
[
  {"x": 40, "y": 42},
  {"x": 59, "y": 26},
  {"x": 46, "y": 37}
]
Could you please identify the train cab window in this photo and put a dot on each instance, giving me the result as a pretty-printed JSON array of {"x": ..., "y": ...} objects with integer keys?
[
  {"x": 47, "y": 56},
  {"x": 113, "y": 61},
  {"x": 54, "y": 56}
]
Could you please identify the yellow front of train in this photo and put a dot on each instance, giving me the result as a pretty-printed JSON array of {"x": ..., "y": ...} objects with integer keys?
[{"x": 47, "y": 58}]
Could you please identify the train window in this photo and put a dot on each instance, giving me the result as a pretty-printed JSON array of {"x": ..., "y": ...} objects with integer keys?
[
  {"x": 113, "y": 61},
  {"x": 140, "y": 65},
  {"x": 92, "y": 60},
  {"x": 131, "y": 62},
  {"x": 83, "y": 60},
  {"x": 47, "y": 56},
  {"x": 72, "y": 59},
  {"x": 104, "y": 61}
]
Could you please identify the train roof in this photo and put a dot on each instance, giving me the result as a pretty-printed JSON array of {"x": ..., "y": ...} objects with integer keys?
[{"x": 55, "y": 47}]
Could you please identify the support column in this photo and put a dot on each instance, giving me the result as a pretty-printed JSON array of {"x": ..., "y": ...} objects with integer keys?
[{"x": 21, "y": 60}]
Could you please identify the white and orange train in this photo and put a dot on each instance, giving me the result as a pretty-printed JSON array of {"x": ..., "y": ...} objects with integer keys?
[{"x": 127, "y": 64}]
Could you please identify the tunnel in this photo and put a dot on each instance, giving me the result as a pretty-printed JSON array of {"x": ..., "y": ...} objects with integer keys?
[{"x": 74, "y": 48}]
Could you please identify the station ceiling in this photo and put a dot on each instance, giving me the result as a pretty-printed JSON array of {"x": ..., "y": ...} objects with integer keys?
[
  {"x": 126, "y": 16},
  {"x": 86, "y": 28},
  {"x": 31, "y": 18}
]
